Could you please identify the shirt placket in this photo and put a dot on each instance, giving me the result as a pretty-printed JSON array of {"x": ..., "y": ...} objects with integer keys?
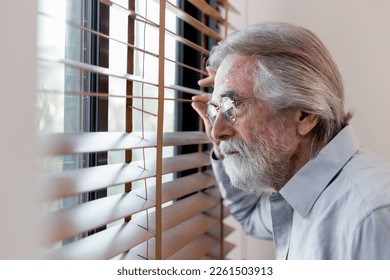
[{"x": 282, "y": 216}]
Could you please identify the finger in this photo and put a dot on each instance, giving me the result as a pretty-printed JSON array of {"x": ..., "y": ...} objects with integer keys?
[
  {"x": 211, "y": 71},
  {"x": 200, "y": 108},
  {"x": 206, "y": 82},
  {"x": 205, "y": 98},
  {"x": 200, "y": 104}
]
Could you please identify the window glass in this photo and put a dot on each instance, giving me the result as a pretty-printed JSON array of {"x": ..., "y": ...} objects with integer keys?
[
  {"x": 64, "y": 34},
  {"x": 57, "y": 111}
]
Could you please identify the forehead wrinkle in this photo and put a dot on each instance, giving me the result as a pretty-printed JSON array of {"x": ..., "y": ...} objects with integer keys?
[{"x": 235, "y": 74}]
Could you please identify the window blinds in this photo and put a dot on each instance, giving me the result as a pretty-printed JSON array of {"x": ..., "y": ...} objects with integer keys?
[{"x": 155, "y": 214}]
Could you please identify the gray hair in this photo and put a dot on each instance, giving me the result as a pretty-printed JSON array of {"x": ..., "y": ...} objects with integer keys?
[{"x": 294, "y": 70}]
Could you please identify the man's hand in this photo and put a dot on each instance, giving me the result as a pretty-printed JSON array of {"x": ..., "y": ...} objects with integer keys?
[
  {"x": 199, "y": 103},
  {"x": 208, "y": 81}
]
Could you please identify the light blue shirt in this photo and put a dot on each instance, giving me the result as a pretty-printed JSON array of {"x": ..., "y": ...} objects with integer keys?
[{"x": 337, "y": 206}]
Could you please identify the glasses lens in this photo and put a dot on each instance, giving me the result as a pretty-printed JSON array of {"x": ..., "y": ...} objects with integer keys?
[
  {"x": 212, "y": 113},
  {"x": 228, "y": 110}
]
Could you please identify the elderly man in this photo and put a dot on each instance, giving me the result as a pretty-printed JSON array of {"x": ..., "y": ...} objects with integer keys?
[{"x": 287, "y": 162}]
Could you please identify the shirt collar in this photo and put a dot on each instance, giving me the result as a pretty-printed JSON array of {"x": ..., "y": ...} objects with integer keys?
[{"x": 304, "y": 188}]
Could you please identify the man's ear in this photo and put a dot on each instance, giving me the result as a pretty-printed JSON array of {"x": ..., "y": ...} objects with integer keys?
[{"x": 305, "y": 122}]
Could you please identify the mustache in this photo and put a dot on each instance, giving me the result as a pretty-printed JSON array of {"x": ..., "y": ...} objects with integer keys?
[
  {"x": 234, "y": 145},
  {"x": 257, "y": 152}
]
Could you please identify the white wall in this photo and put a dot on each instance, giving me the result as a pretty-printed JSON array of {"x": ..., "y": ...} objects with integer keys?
[
  {"x": 357, "y": 33},
  {"x": 18, "y": 204}
]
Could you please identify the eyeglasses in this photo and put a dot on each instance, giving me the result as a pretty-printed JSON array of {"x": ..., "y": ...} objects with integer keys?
[{"x": 227, "y": 107}]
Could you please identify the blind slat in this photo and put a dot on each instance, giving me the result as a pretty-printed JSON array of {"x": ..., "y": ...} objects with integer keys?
[
  {"x": 207, "y": 9},
  {"x": 105, "y": 36},
  {"x": 185, "y": 185},
  {"x": 175, "y": 238},
  {"x": 133, "y": 14},
  {"x": 171, "y": 33},
  {"x": 76, "y": 143},
  {"x": 113, "y": 241},
  {"x": 110, "y": 95},
  {"x": 186, "y": 42},
  {"x": 216, "y": 251},
  {"x": 184, "y": 209},
  {"x": 216, "y": 232},
  {"x": 95, "y": 69},
  {"x": 105, "y": 244},
  {"x": 192, "y": 21},
  {"x": 184, "y": 233},
  {"x": 72, "y": 182},
  {"x": 185, "y": 89},
  {"x": 196, "y": 249},
  {"x": 100, "y": 34},
  {"x": 216, "y": 212},
  {"x": 69, "y": 222},
  {"x": 230, "y": 6}
]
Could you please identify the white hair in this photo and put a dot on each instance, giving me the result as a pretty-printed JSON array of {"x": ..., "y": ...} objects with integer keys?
[{"x": 294, "y": 70}]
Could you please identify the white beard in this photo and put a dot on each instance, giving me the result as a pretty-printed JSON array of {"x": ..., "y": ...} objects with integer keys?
[{"x": 257, "y": 166}]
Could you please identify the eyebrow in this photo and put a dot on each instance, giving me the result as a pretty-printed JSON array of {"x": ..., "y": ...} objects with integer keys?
[
  {"x": 212, "y": 103},
  {"x": 230, "y": 93}
]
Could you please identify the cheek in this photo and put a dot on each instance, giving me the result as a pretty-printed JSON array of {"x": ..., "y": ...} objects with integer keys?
[
  {"x": 289, "y": 138},
  {"x": 249, "y": 129},
  {"x": 265, "y": 125},
  {"x": 255, "y": 125},
  {"x": 252, "y": 125},
  {"x": 274, "y": 133}
]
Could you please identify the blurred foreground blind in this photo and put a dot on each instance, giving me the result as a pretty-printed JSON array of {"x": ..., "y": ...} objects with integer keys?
[{"x": 107, "y": 93}]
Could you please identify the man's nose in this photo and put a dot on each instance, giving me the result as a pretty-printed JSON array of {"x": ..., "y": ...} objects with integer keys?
[{"x": 221, "y": 130}]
